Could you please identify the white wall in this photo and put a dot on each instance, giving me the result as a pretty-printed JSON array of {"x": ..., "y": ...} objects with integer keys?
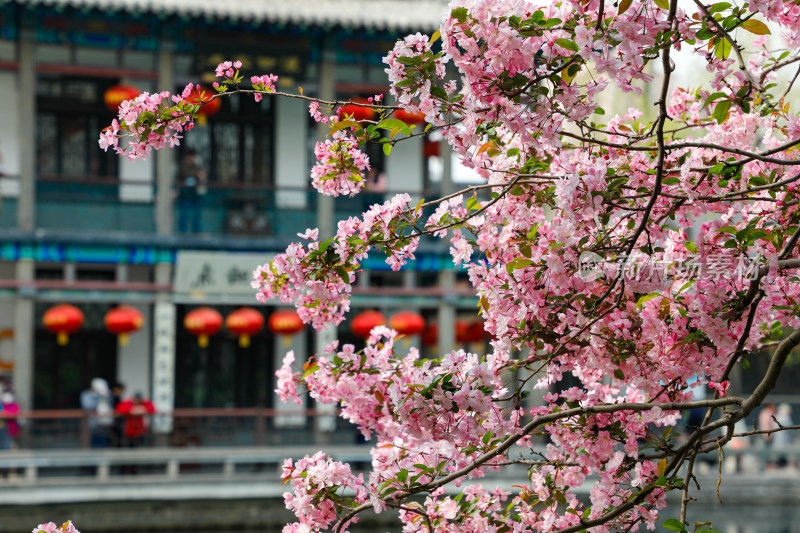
[
  {"x": 133, "y": 359},
  {"x": 404, "y": 167},
  {"x": 9, "y": 120},
  {"x": 291, "y": 165}
]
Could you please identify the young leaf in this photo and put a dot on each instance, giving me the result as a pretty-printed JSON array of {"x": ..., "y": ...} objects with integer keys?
[
  {"x": 623, "y": 6},
  {"x": 663, "y": 4}
]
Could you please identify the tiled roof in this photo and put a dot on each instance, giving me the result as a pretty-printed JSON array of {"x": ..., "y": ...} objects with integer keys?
[{"x": 423, "y": 15}]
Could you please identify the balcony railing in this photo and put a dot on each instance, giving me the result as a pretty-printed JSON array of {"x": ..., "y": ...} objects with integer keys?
[{"x": 91, "y": 205}]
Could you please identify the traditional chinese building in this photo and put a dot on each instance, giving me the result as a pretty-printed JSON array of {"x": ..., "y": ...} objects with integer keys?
[{"x": 90, "y": 229}]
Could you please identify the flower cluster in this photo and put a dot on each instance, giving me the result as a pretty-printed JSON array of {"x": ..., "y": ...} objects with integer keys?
[
  {"x": 154, "y": 121},
  {"x": 340, "y": 166},
  {"x": 316, "y": 500},
  {"x": 318, "y": 277},
  {"x": 50, "y": 527},
  {"x": 704, "y": 179}
]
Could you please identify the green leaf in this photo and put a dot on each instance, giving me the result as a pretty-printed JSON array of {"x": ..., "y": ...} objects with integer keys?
[
  {"x": 387, "y": 148},
  {"x": 645, "y": 298},
  {"x": 705, "y": 34},
  {"x": 663, "y": 4},
  {"x": 460, "y": 14},
  {"x": 720, "y": 6},
  {"x": 394, "y": 123},
  {"x": 406, "y": 82},
  {"x": 435, "y": 37},
  {"x": 758, "y": 234},
  {"x": 619, "y": 374},
  {"x": 402, "y": 475},
  {"x": 756, "y": 26},
  {"x": 438, "y": 92},
  {"x": 569, "y": 45},
  {"x": 722, "y": 108},
  {"x": 711, "y": 98},
  {"x": 722, "y": 50},
  {"x": 674, "y": 525}
]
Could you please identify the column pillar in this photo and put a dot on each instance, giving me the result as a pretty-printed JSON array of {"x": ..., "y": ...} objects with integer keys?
[
  {"x": 447, "y": 278},
  {"x": 163, "y": 367},
  {"x": 23, "y": 337},
  {"x": 26, "y": 204},
  {"x": 165, "y": 159}
]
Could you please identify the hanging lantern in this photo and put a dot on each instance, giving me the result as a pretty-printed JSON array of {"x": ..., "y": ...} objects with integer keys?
[
  {"x": 358, "y": 112},
  {"x": 203, "y": 322},
  {"x": 363, "y": 323},
  {"x": 63, "y": 319},
  {"x": 407, "y": 323},
  {"x": 285, "y": 323},
  {"x": 469, "y": 332},
  {"x": 244, "y": 322},
  {"x": 117, "y": 94},
  {"x": 409, "y": 117},
  {"x": 200, "y": 94},
  {"x": 123, "y": 320}
]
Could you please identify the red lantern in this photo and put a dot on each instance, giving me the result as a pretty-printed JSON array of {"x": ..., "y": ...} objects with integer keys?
[
  {"x": 123, "y": 320},
  {"x": 244, "y": 322},
  {"x": 358, "y": 112},
  {"x": 117, "y": 94},
  {"x": 200, "y": 95},
  {"x": 285, "y": 322},
  {"x": 410, "y": 118},
  {"x": 469, "y": 332},
  {"x": 63, "y": 319},
  {"x": 407, "y": 323},
  {"x": 203, "y": 322},
  {"x": 364, "y": 322}
]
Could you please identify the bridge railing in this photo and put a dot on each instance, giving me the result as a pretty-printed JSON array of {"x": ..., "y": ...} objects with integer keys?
[{"x": 181, "y": 428}]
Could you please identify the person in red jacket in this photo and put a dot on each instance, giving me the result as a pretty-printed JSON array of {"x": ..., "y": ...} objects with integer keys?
[{"x": 134, "y": 411}]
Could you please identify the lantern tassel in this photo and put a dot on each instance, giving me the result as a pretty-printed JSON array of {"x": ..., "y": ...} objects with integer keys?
[
  {"x": 244, "y": 341},
  {"x": 287, "y": 340},
  {"x": 62, "y": 339},
  {"x": 123, "y": 339},
  {"x": 202, "y": 341}
]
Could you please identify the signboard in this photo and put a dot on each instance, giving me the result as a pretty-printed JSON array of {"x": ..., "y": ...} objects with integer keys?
[{"x": 216, "y": 273}]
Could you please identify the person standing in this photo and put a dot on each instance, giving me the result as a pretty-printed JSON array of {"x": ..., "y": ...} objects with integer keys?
[
  {"x": 96, "y": 401},
  {"x": 10, "y": 409},
  {"x": 134, "y": 411}
]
